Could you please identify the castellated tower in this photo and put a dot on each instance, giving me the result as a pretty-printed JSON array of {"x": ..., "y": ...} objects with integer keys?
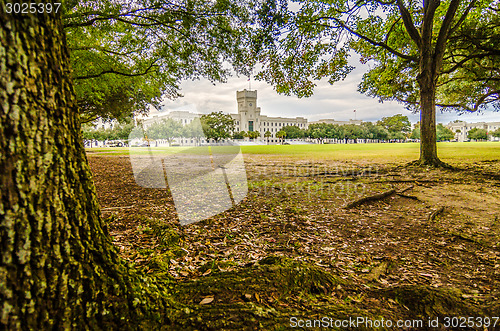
[{"x": 248, "y": 110}]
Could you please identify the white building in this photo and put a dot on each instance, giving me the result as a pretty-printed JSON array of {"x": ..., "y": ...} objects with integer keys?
[
  {"x": 249, "y": 117},
  {"x": 461, "y": 129},
  {"x": 332, "y": 121},
  {"x": 182, "y": 116}
]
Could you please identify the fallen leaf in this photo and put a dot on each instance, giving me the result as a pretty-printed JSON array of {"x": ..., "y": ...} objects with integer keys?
[{"x": 206, "y": 301}]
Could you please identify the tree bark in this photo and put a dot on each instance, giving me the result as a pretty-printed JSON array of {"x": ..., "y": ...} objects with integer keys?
[
  {"x": 428, "y": 145},
  {"x": 427, "y": 80},
  {"x": 58, "y": 266}
]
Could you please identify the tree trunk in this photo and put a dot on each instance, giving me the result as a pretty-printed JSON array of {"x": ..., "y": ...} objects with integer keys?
[
  {"x": 427, "y": 83},
  {"x": 58, "y": 266}
]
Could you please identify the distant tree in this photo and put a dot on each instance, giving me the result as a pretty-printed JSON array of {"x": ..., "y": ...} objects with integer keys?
[
  {"x": 496, "y": 133},
  {"x": 443, "y": 133},
  {"x": 166, "y": 129},
  {"x": 217, "y": 125},
  {"x": 293, "y": 132},
  {"x": 119, "y": 131},
  {"x": 281, "y": 135},
  {"x": 317, "y": 131},
  {"x": 353, "y": 131},
  {"x": 253, "y": 134},
  {"x": 396, "y": 124},
  {"x": 397, "y": 135},
  {"x": 193, "y": 130},
  {"x": 375, "y": 131},
  {"x": 477, "y": 134},
  {"x": 267, "y": 135},
  {"x": 415, "y": 133},
  {"x": 239, "y": 135}
]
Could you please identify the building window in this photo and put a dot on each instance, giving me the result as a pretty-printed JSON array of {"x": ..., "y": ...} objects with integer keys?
[{"x": 250, "y": 125}]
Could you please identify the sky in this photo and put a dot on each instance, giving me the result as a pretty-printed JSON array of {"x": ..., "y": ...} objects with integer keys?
[{"x": 336, "y": 101}]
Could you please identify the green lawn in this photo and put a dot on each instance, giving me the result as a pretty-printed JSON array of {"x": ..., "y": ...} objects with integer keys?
[{"x": 449, "y": 152}]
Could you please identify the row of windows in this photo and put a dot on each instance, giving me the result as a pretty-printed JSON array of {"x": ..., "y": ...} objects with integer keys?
[
  {"x": 472, "y": 127},
  {"x": 300, "y": 125}
]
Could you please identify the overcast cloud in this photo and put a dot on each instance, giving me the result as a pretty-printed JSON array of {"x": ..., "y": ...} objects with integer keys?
[{"x": 337, "y": 101}]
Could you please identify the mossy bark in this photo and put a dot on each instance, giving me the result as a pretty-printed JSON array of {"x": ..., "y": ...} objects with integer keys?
[
  {"x": 427, "y": 80},
  {"x": 58, "y": 267}
]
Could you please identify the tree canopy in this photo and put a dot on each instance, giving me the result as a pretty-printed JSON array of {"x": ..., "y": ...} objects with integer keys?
[
  {"x": 126, "y": 55},
  {"x": 396, "y": 123},
  {"x": 477, "y": 134},
  {"x": 217, "y": 125},
  {"x": 293, "y": 132}
]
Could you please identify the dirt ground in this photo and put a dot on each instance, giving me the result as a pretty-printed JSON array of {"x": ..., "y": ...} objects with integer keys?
[{"x": 429, "y": 248}]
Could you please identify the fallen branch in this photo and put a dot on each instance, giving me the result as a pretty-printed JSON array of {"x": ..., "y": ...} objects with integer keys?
[
  {"x": 435, "y": 214},
  {"x": 374, "y": 197}
]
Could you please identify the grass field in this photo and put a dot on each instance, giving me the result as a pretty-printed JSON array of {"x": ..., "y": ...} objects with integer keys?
[{"x": 378, "y": 153}]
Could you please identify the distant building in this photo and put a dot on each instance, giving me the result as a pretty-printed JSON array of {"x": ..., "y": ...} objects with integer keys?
[
  {"x": 332, "y": 121},
  {"x": 249, "y": 117},
  {"x": 182, "y": 116},
  {"x": 461, "y": 128}
]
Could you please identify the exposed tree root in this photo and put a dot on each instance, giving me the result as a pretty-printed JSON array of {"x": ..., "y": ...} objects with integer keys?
[
  {"x": 412, "y": 197},
  {"x": 436, "y": 163},
  {"x": 424, "y": 301},
  {"x": 267, "y": 294},
  {"x": 405, "y": 189},
  {"x": 370, "y": 198},
  {"x": 466, "y": 238}
]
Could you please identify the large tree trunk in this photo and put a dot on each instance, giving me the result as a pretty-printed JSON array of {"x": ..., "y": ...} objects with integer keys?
[
  {"x": 58, "y": 267},
  {"x": 427, "y": 83},
  {"x": 428, "y": 146}
]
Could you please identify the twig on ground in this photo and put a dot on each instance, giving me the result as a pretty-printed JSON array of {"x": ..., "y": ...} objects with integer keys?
[{"x": 435, "y": 214}]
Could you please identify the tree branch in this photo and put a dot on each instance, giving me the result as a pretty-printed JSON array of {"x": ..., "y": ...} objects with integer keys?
[
  {"x": 111, "y": 71},
  {"x": 428, "y": 20},
  {"x": 466, "y": 59},
  {"x": 408, "y": 22},
  {"x": 444, "y": 32},
  {"x": 365, "y": 38},
  {"x": 463, "y": 16}
]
